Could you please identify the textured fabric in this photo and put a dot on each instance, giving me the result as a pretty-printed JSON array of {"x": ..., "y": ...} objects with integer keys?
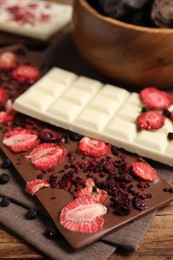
[{"x": 13, "y": 217}]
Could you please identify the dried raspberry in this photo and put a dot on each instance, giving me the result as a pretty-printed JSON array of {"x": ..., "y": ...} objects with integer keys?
[
  {"x": 2, "y": 96},
  {"x": 144, "y": 171},
  {"x": 48, "y": 135},
  {"x": 8, "y": 60},
  {"x": 93, "y": 148},
  {"x": 151, "y": 120},
  {"x": 47, "y": 155},
  {"x": 33, "y": 186},
  {"x": 20, "y": 139},
  {"x": 26, "y": 72},
  {"x": 83, "y": 214},
  {"x": 156, "y": 99}
]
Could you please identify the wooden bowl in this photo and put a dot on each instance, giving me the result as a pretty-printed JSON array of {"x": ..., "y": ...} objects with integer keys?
[{"x": 132, "y": 55}]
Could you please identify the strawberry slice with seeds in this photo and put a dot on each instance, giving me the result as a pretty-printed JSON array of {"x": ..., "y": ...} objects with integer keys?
[
  {"x": 2, "y": 96},
  {"x": 26, "y": 72},
  {"x": 157, "y": 99},
  {"x": 90, "y": 189},
  {"x": 83, "y": 214},
  {"x": 93, "y": 148},
  {"x": 151, "y": 120},
  {"x": 8, "y": 60},
  {"x": 47, "y": 155},
  {"x": 20, "y": 139},
  {"x": 33, "y": 186},
  {"x": 144, "y": 171}
]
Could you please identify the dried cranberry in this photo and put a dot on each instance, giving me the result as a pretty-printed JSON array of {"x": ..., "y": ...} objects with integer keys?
[{"x": 138, "y": 203}]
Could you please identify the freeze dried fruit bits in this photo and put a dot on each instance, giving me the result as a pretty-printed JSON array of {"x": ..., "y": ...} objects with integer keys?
[
  {"x": 104, "y": 112},
  {"x": 36, "y": 19}
]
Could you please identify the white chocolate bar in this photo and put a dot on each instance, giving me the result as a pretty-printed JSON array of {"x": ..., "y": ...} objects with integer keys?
[
  {"x": 33, "y": 18},
  {"x": 105, "y": 112}
]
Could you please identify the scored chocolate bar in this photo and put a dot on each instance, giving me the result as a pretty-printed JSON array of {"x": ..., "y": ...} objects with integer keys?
[
  {"x": 36, "y": 19},
  {"x": 62, "y": 174},
  {"x": 88, "y": 107}
]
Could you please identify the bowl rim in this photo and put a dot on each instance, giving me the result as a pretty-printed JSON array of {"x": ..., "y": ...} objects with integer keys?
[{"x": 122, "y": 24}]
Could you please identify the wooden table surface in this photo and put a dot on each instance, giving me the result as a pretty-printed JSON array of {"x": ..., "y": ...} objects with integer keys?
[{"x": 158, "y": 241}]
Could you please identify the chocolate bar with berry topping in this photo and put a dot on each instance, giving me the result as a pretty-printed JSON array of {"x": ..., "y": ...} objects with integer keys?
[
  {"x": 105, "y": 112},
  {"x": 67, "y": 171},
  {"x": 35, "y": 19}
]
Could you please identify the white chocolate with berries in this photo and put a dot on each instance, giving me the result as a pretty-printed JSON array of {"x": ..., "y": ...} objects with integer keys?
[
  {"x": 32, "y": 18},
  {"x": 105, "y": 112}
]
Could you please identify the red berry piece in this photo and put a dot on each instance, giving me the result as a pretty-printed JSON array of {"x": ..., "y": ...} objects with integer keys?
[
  {"x": 20, "y": 139},
  {"x": 93, "y": 148},
  {"x": 33, "y": 186},
  {"x": 9, "y": 114},
  {"x": 90, "y": 189},
  {"x": 144, "y": 171},
  {"x": 26, "y": 72},
  {"x": 8, "y": 60},
  {"x": 151, "y": 120},
  {"x": 47, "y": 155},
  {"x": 84, "y": 215},
  {"x": 2, "y": 96},
  {"x": 154, "y": 98}
]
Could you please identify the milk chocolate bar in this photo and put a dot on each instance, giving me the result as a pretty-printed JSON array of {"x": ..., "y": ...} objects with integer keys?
[
  {"x": 31, "y": 18},
  {"x": 88, "y": 107}
]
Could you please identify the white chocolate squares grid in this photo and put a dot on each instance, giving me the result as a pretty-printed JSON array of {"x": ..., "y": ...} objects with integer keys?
[{"x": 87, "y": 106}]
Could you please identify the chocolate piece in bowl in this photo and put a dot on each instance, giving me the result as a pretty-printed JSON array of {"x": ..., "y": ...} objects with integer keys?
[{"x": 103, "y": 177}]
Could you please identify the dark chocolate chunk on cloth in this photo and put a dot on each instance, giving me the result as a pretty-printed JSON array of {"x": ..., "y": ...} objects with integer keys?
[{"x": 14, "y": 218}]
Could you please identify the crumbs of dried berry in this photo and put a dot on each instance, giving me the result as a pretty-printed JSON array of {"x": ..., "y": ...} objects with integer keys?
[
  {"x": 4, "y": 178},
  {"x": 31, "y": 213},
  {"x": 5, "y": 202}
]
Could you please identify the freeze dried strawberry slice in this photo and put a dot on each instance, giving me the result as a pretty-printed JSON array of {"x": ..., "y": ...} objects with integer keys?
[
  {"x": 9, "y": 114},
  {"x": 20, "y": 139},
  {"x": 90, "y": 189},
  {"x": 33, "y": 186},
  {"x": 144, "y": 171},
  {"x": 83, "y": 214},
  {"x": 47, "y": 155},
  {"x": 26, "y": 72},
  {"x": 92, "y": 147},
  {"x": 154, "y": 98},
  {"x": 151, "y": 120},
  {"x": 8, "y": 60},
  {"x": 2, "y": 96}
]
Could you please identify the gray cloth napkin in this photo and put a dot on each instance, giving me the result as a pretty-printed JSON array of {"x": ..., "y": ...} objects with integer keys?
[{"x": 14, "y": 218}]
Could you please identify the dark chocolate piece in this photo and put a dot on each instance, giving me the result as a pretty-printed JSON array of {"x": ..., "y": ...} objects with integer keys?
[{"x": 162, "y": 13}]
